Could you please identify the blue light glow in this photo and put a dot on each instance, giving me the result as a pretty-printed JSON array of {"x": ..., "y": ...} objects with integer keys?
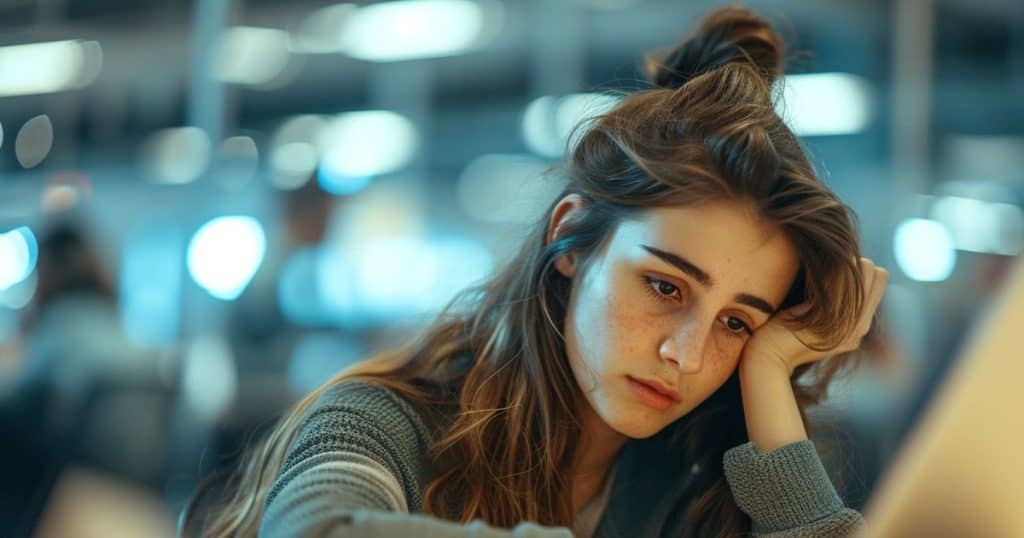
[
  {"x": 224, "y": 255},
  {"x": 338, "y": 183},
  {"x": 150, "y": 285},
  {"x": 924, "y": 250},
  {"x": 18, "y": 252}
]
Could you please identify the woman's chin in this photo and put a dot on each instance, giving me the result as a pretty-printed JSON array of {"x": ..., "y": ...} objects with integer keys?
[{"x": 636, "y": 425}]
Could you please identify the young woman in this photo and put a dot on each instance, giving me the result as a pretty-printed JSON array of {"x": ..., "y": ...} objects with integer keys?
[{"x": 633, "y": 371}]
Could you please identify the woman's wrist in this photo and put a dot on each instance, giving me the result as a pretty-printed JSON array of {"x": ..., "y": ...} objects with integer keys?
[{"x": 769, "y": 405}]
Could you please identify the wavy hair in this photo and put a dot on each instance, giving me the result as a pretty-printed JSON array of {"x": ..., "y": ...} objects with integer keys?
[{"x": 705, "y": 129}]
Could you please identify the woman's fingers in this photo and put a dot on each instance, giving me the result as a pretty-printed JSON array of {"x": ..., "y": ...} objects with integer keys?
[
  {"x": 874, "y": 281},
  {"x": 867, "y": 268},
  {"x": 878, "y": 288},
  {"x": 872, "y": 298}
]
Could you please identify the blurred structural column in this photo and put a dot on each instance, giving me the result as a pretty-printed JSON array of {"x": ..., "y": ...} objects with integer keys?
[
  {"x": 1016, "y": 56},
  {"x": 407, "y": 88},
  {"x": 557, "y": 54},
  {"x": 912, "y": 37},
  {"x": 206, "y": 108}
]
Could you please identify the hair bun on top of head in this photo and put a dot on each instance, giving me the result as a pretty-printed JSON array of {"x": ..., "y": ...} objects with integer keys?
[{"x": 728, "y": 35}]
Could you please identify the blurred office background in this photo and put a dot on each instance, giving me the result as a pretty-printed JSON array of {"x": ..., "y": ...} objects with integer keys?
[{"x": 209, "y": 207}]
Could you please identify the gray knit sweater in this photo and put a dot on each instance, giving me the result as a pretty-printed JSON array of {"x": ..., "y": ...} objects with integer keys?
[{"x": 358, "y": 468}]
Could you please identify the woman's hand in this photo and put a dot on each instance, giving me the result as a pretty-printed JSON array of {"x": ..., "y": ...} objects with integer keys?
[
  {"x": 779, "y": 342},
  {"x": 774, "y": 351}
]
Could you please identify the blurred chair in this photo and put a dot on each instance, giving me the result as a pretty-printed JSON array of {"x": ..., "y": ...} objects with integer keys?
[{"x": 85, "y": 392}]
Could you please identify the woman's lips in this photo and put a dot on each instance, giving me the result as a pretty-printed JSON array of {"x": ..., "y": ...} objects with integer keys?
[{"x": 649, "y": 395}]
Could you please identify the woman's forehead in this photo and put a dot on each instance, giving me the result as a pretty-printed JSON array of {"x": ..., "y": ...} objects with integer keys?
[
  {"x": 727, "y": 241},
  {"x": 734, "y": 226}
]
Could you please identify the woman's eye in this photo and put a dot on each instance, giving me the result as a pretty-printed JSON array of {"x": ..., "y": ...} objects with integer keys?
[
  {"x": 662, "y": 290},
  {"x": 735, "y": 325},
  {"x": 665, "y": 288}
]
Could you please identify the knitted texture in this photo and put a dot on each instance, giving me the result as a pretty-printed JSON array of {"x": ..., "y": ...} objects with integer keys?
[
  {"x": 359, "y": 461},
  {"x": 358, "y": 440},
  {"x": 786, "y": 492}
]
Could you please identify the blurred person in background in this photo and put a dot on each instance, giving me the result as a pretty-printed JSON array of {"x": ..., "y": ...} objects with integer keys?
[
  {"x": 73, "y": 312},
  {"x": 85, "y": 395},
  {"x": 632, "y": 371}
]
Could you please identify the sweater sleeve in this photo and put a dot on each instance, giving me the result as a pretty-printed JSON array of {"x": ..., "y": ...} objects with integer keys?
[
  {"x": 787, "y": 493},
  {"x": 355, "y": 469}
]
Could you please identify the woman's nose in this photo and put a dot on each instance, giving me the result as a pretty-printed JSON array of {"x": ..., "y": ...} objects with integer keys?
[{"x": 686, "y": 345}]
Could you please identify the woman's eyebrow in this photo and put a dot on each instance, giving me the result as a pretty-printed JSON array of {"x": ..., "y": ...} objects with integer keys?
[
  {"x": 756, "y": 302},
  {"x": 682, "y": 264},
  {"x": 705, "y": 279}
]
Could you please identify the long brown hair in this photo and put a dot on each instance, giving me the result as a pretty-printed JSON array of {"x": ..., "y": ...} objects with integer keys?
[{"x": 706, "y": 129}]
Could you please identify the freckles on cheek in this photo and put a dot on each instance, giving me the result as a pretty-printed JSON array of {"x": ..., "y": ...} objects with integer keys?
[
  {"x": 625, "y": 325},
  {"x": 726, "y": 359},
  {"x": 718, "y": 356}
]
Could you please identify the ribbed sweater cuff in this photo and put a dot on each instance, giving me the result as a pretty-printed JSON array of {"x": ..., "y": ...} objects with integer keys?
[{"x": 781, "y": 489}]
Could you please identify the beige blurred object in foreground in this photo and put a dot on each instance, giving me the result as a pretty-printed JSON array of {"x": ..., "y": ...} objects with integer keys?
[
  {"x": 85, "y": 504},
  {"x": 961, "y": 472}
]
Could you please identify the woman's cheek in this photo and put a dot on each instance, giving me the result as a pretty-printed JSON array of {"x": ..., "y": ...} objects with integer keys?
[
  {"x": 725, "y": 354},
  {"x": 618, "y": 314}
]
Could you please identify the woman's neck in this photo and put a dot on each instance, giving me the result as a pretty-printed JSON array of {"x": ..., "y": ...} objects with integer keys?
[{"x": 599, "y": 445}]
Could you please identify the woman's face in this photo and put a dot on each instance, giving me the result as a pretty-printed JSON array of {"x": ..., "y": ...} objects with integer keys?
[{"x": 670, "y": 301}]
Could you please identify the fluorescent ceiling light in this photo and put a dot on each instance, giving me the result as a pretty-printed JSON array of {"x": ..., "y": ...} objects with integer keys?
[
  {"x": 40, "y": 68},
  {"x": 412, "y": 29},
  {"x": 924, "y": 250},
  {"x": 367, "y": 143},
  {"x": 825, "y": 103},
  {"x": 250, "y": 55}
]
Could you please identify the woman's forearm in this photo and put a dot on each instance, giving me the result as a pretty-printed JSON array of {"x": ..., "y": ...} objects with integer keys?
[{"x": 769, "y": 406}]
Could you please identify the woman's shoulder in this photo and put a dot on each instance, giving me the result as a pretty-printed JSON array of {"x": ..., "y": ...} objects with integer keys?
[
  {"x": 357, "y": 392},
  {"x": 372, "y": 405},
  {"x": 358, "y": 432},
  {"x": 364, "y": 417}
]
